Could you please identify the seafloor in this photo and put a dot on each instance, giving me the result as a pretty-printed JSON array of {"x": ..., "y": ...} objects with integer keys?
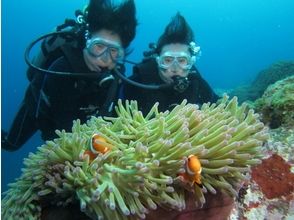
[{"x": 268, "y": 194}]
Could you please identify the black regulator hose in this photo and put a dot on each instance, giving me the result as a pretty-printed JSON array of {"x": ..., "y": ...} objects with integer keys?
[
  {"x": 33, "y": 43},
  {"x": 140, "y": 85},
  {"x": 89, "y": 74}
]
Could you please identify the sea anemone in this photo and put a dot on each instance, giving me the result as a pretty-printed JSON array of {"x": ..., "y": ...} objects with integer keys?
[{"x": 142, "y": 168}]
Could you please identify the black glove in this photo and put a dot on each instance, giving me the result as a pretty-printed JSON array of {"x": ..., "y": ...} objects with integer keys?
[{"x": 5, "y": 144}]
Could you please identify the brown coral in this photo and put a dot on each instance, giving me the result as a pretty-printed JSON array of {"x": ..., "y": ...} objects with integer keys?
[{"x": 274, "y": 177}]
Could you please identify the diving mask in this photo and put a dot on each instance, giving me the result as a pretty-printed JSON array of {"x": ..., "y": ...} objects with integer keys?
[
  {"x": 97, "y": 47},
  {"x": 182, "y": 60}
]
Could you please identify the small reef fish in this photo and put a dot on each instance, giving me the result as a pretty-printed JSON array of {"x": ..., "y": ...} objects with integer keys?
[
  {"x": 92, "y": 156},
  {"x": 193, "y": 171},
  {"x": 98, "y": 144}
]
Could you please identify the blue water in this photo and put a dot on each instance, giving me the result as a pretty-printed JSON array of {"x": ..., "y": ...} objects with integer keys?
[{"x": 237, "y": 39}]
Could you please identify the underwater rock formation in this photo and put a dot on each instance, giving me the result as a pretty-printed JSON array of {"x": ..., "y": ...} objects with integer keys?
[
  {"x": 144, "y": 163},
  {"x": 274, "y": 177},
  {"x": 269, "y": 193},
  {"x": 281, "y": 142},
  {"x": 277, "y": 104},
  {"x": 274, "y": 73}
]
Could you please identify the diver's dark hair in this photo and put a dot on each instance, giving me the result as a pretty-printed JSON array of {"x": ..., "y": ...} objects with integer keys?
[
  {"x": 177, "y": 31},
  {"x": 118, "y": 16}
]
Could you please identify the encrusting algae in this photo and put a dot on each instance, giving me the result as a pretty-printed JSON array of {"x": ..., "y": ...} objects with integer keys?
[{"x": 138, "y": 162}]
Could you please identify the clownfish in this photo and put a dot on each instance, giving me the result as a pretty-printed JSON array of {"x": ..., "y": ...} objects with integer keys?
[
  {"x": 92, "y": 156},
  {"x": 98, "y": 144},
  {"x": 193, "y": 171}
]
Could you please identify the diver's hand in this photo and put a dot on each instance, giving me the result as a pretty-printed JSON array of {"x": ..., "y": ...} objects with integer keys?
[{"x": 5, "y": 144}]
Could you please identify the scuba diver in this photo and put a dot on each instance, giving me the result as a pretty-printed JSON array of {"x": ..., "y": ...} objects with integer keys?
[
  {"x": 78, "y": 80},
  {"x": 170, "y": 61}
]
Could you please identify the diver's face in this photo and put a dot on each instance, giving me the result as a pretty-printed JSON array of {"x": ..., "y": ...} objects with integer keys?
[
  {"x": 174, "y": 60},
  {"x": 103, "y": 50}
]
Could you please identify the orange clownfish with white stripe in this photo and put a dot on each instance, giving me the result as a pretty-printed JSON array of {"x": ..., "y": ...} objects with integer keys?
[
  {"x": 98, "y": 145},
  {"x": 193, "y": 171}
]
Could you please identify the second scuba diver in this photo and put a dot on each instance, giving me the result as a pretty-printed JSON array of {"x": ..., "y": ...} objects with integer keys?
[{"x": 171, "y": 62}]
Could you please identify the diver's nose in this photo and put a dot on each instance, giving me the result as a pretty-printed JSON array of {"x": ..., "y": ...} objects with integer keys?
[
  {"x": 174, "y": 70},
  {"x": 174, "y": 67},
  {"x": 105, "y": 56}
]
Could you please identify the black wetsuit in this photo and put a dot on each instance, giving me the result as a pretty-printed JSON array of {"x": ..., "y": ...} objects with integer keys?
[
  {"x": 52, "y": 101},
  {"x": 198, "y": 91}
]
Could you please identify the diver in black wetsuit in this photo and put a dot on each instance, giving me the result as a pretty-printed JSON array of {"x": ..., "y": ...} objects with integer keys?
[
  {"x": 171, "y": 61},
  {"x": 53, "y": 101}
]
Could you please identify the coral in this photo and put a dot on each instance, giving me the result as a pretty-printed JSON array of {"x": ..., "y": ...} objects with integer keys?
[
  {"x": 272, "y": 74},
  {"x": 252, "y": 203},
  {"x": 281, "y": 142},
  {"x": 277, "y": 103},
  {"x": 256, "y": 205},
  {"x": 274, "y": 177},
  {"x": 140, "y": 171}
]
